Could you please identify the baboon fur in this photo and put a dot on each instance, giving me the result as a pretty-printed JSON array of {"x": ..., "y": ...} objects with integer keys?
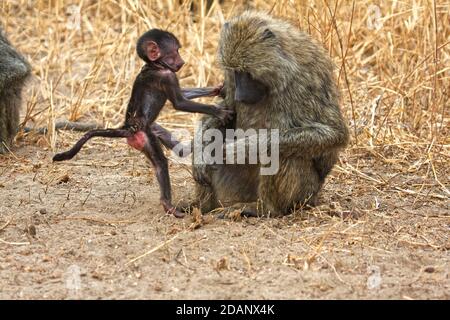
[
  {"x": 14, "y": 70},
  {"x": 303, "y": 103}
]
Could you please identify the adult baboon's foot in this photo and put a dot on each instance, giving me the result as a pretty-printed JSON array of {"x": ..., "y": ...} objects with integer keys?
[
  {"x": 187, "y": 206},
  {"x": 238, "y": 210}
]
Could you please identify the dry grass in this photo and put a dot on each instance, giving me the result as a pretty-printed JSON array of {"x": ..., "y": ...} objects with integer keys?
[
  {"x": 85, "y": 70},
  {"x": 394, "y": 75},
  {"x": 393, "y": 72}
]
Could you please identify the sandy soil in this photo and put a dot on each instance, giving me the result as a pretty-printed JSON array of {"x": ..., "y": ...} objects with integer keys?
[{"x": 71, "y": 230}]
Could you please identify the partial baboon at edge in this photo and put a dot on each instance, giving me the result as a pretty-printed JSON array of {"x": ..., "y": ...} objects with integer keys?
[
  {"x": 14, "y": 70},
  {"x": 276, "y": 77}
]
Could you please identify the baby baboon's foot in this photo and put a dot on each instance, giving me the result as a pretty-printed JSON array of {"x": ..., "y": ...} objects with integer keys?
[{"x": 170, "y": 209}]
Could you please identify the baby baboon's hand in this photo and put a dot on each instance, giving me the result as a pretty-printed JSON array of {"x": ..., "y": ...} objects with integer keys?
[
  {"x": 218, "y": 91},
  {"x": 224, "y": 114},
  {"x": 201, "y": 176}
]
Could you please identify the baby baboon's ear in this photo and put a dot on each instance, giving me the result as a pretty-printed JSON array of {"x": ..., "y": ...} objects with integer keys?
[
  {"x": 152, "y": 50},
  {"x": 268, "y": 34}
]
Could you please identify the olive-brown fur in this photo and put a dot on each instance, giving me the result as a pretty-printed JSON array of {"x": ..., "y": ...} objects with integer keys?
[
  {"x": 302, "y": 102},
  {"x": 14, "y": 70}
]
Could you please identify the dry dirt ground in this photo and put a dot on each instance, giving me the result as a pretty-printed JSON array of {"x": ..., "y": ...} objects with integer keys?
[{"x": 92, "y": 228}]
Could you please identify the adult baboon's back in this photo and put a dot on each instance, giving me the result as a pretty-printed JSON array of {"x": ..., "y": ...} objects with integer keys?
[
  {"x": 276, "y": 77},
  {"x": 14, "y": 70}
]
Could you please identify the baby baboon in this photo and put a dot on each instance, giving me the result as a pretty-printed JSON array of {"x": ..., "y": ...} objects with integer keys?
[
  {"x": 14, "y": 70},
  {"x": 154, "y": 85},
  {"x": 276, "y": 77}
]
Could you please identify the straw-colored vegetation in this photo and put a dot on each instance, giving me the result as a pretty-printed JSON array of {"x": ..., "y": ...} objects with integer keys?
[{"x": 387, "y": 198}]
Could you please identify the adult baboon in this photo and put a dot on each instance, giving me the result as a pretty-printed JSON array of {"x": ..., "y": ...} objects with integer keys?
[
  {"x": 276, "y": 77},
  {"x": 14, "y": 70}
]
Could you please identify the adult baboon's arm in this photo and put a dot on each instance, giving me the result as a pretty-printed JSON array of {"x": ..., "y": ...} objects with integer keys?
[
  {"x": 310, "y": 140},
  {"x": 313, "y": 139}
]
